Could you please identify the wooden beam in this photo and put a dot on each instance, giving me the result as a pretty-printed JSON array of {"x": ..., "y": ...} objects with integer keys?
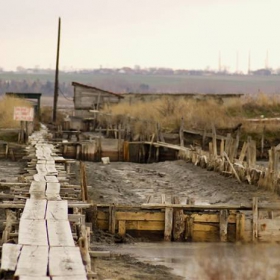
[
  {"x": 168, "y": 224},
  {"x": 223, "y": 225},
  {"x": 255, "y": 219}
]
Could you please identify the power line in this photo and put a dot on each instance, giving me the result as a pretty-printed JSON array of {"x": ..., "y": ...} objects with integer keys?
[{"x": 70, "y": 100}]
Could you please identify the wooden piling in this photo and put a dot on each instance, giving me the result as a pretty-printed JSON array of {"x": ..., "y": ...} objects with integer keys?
[
  {"x": 168, "y": 224},
  {"x": 255, "y": 219},
  {"x": 240, "y": 226},
  {"x": 112, "y": 219},
  {"x": 178, "y": 221},
  {"x": 223, "y": 225}
]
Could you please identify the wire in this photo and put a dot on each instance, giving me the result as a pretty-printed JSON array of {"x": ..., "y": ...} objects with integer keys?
[{"x": 70, "y": 100}]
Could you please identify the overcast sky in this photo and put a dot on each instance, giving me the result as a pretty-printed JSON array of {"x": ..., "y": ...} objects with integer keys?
[{"x": 163, "y": 33}]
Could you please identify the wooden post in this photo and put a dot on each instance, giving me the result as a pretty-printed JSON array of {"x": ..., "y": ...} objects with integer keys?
[
  {"x": 84, "y": 248},
  {"x": 181, "y": 133},
  {"x": 83, "y": 181},
  {"x": 249, "y": 152},
  {"x": 112, "y": 219},
  {"x": 158, "y": 135},
  {"x": 232, "y": 167},
  {"x": 223, "y": 225},
  {"x": 56, "y": 85},
  {"x": 150, "y": 149},
  {"x": 119, "y": 142},
  {"x": 255, "y": 219},
  {"x": 204, "y": 138},
  {"x": 222, "y": 147},
  {"x": 91, "y": 216},
  {"x": 189, "y": 228},
  {"x": 78, "y": 151},
  {"x": 243, "y": 152},
  {"x": 168, "y": 224},
  {"x": 240, "y": 226},
  {"x": 178, "y": 221},
  {"x": 99, "y": 148},
  {"x": 262, "y": 142},
  {"x": 214, "y": 141}
]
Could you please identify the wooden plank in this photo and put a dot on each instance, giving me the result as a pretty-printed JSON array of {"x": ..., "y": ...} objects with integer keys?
[
  {"x": 53, "y": 188},
  {"x": 69, "y": 277},
  {"x": 57, "y": 210},
  {"x": 66, "y": 261},
  {"x": 59, "y": 233},
  {"x": 34, "y": 278},
  {"x": 51, "y": 179},
  {"x": 178, "y": 221},
  {"x": 122, "y": 228},
  {"x": 268, "y": 224},
  {"x": 33, "y": 261},
  {"x": 212, "y": 218},
  {"x": 145, "y": 225},
  {"x": 37, "y": 187},
  {"x": 51, "y": 170},
  {"x": 168, "y": 224},
  {"x": 41, "y": 169},
  {"x": 34, "y": 209},
  {"x": 10, "y": 253},
  {"x": 32, "y": 232},
  {"x": 138, "y": 216},
  {"x": 112, "y": 219},
  {"x": 39, "y": 178}
]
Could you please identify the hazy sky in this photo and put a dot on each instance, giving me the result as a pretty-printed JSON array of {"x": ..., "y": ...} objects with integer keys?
[{"x": 164, "y": 33}]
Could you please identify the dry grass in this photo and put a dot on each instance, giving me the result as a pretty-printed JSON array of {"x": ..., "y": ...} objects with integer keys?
[
  {"x": 168, "y": 113},
  {"x": 7, "y": 105},
  {"x": 197, "y": 114}
]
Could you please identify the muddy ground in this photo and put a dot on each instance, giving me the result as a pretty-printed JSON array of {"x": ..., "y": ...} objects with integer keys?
[{"x": 132, "y": 183}]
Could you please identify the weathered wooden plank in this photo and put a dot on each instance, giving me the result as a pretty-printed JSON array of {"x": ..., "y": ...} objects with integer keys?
[
  {"x": 240, "y": 227},
  {"x": 39, "y": 178},
  {"x": 41, "y": 169},
  {"x": 212, "y": 218},
  {"x": 37, "y": 186},
  {"x": 59, "y": 233},
  {"x": 32, "y": 232},
  {"x": 138, "y": 216},
  {"x": 51, "y": 179},
  {"x": 69, "y": 277},
  {"x": 66, "y": 261},
  {"x": 33, "y": 261},
  {"x": 268, "y": 224},
  {"x": 34, "y": 209},
  {"x": 51, "y": 170},
  {"x": 57, "y": 210},
  {"x": 10, "y": 253},
  {"x": 122, "y": 228},
  {"x": 53, "y": 188},
  {"x": 34, "y": 278}
]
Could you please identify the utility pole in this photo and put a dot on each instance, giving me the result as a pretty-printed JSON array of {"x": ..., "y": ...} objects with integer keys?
[{"x": 56, "y": 86}]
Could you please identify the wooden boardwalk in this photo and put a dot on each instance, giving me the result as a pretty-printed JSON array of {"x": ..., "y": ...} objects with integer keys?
[{"x": 45, "y": 249}]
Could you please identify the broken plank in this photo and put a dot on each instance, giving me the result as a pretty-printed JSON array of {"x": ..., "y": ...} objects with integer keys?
[
  {"x": 32, "y": 232},
  {"x": 66, "y": 261},
  {"x": 60, "y": 233},
  {"x": 57, "y": 210},
  {"x": 34, "y": 209},
  {"x": 33, "y": 261},
  {"x": 10, "y": 253}
]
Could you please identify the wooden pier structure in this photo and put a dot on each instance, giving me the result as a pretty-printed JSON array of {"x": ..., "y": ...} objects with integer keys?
[{"x": 45, "y": 246}]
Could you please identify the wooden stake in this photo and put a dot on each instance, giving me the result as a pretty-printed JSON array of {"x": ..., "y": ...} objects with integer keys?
[
  {"x": 112, "y": 219},
  {"x": 223, "y": 225},
  {"x": 255, "y": 219},
  {"x": 168, "y": 224},
  {"x": 178, "y": 222},
  {"x": 232, "y": 167},
  {"x": 181, "y": 133},
  {"x": 214, "y": 141},
  {"x": 240, "y": 226}
]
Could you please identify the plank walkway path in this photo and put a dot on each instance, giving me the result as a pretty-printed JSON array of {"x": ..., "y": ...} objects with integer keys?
[{"x": 45, "y": 249}]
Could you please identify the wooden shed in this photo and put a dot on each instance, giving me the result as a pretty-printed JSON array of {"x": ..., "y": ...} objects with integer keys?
[{"x": 91, "y": 98}]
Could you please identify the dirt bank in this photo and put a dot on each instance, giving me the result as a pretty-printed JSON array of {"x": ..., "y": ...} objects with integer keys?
[{"x": 131, "y": 183}]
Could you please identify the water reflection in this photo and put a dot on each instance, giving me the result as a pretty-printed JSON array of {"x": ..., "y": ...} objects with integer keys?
[{"x": 210, "y": 260}]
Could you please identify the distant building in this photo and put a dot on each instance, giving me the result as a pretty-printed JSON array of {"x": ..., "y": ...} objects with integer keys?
[{"x": 91, "y": 98}]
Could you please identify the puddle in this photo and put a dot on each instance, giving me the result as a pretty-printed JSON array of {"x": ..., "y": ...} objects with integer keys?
[{"x": 208, "y": 260}]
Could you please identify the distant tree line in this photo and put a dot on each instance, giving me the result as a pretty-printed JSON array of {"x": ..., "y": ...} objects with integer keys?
[{"x": 46, "y": 88}]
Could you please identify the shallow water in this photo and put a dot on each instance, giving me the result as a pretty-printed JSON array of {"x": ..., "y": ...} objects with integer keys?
[{"x": 210, "y": 260}]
